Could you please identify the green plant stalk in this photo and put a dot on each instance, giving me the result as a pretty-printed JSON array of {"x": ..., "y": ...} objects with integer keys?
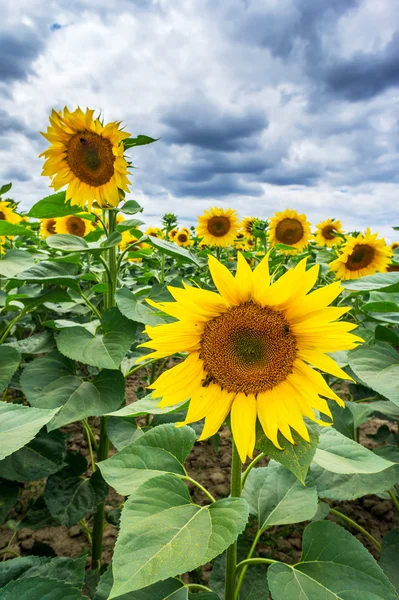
[
  {"x": 394, "y": 499},
  {"x": 250, "y": 467},
  {"x": 11, "y": 325},
  {"x": 231, "y": 556},
  {"x": 355, "y": 525},
  {"x": 244, "y": 570}
]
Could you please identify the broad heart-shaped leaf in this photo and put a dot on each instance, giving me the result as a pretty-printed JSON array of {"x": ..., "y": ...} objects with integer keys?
[
  {"x": 158, "y": 591},
  {"x": 41, "y": 457},
  {"x": 69, "y": 498},
  {"x": 50, "y": 272},
  {"x": 389, "y": 557},
  {"x": 39, "y": 343},
  {"x": 387, "y": 282},
  {"x": 67, "y": 242},
  {"x": 8, "y": 497},
  {"x": 131, "y": 207},
  {"x": 334, "y": 565},
  {"x": 7, "y": 228},
  {"x": 122, "y": 431},
  {"x": 14, "y": 262},
  {"x": 9, "y": 363},
  {"x": 378, "y": 367},
  {"x": 339, "y": 454},
  {"x": 163, "y": 533},
  {"x": 276, "y": 497},
  {"x": 49, "y": 382},
  {"x": 40, "y": 588},
  {"x": 135, "y": 310},
  {"x": 68, "y": 570},
  {"x": 296, "y": 458},
  {"x": 162, "y": 449},
  {"x": 171, "y": 249},
  {"x": 335, "y": 486},
  {"x": 105, "y": 350},
  {"x": 19, "y": 425},
  {"x": 53, "y": 206}
]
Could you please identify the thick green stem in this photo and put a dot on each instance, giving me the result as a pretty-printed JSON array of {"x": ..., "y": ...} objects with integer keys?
[
  {"x": 98, "y": 521},
  {"x": 231, "y": 558}
]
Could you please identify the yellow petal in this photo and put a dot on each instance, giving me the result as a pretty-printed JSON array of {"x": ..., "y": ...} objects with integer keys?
[{"x": 243, "y": 424}]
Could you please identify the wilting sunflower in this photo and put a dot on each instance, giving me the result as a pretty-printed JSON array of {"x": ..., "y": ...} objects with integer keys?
[
  {"x": 74, "y": 225},
  {"x": 362, "y": 255},
  {"x": 247, "y": 225},
  {"x": 248, "y": 351},
  {"x": 326, "y": 230},
  {"x": 7, "y": 213},
  {"x": 183, "y": 238},
  {"x": 86, "y": 156},
  {"x": 290, "y": 228},
  {"x": 154, "y": 232},
  {"x": 172, "y": 234},
  {"x": 218, "y": 227},
  {"x": 47, "y": 227}
]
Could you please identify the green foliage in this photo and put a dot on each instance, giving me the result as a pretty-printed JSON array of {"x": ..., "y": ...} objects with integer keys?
[
  {"x": 53, "y": 206},
  {"x": 9, "y": 363},
  {"x": 377, "y": 367}
]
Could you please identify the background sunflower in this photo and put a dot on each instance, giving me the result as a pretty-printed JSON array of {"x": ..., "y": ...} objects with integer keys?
[
  {"x": 47, "y": 227},
  {"x": 362, "y": 255},
  {"x": 218, "y": 226},
  {"x": 7, "y": 213},
  {"x": 290, "y": 228},
  {"x": 74, "y": 225},
  {"x": 325, "y": 231}
]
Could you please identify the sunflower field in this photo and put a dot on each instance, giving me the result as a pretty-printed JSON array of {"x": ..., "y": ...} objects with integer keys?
[{"x": 203, "y": 412}]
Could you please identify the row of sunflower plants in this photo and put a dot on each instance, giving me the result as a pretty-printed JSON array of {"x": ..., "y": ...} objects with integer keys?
[{"x": 237, "y": 326}]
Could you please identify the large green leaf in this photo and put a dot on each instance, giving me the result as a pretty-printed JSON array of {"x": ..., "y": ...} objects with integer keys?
[
  {"x": 39, "y": 588},
  {"x": 276, "y": 497},
  {"x": 389, "y": 557},
  {"x": 14, "y": 262},
  {"x": 296, "y": 458},
  {"x": 163, "y": 533},
  {"x": 7, "y": 228},
  {"x": 339, "y": 454},
  {"x": 104, "y": 350},
  {"x": 49, "y": 382},
  {"x": 131, "y": 207},
  {"x": 8, "y": 497},
  {"x": 135, "y": 310},
  {"x": 53, "y": 206},
  {"x": 334, "y": 565},
  {"x": 67, "y": 570},
  {"x": 9, "y": 363},
  {"x": 39, "y": 343},
  {"x": 41, "y": 457},
  {"x": 122, "y": 431},
  {"x": 171, "y": 249},
  {"x": 378, "y": 367},
  {"x": 389, "y": 282},
  {"x": 19, "y": 425},
  {"x": 162, "y": 449},
  {"x": 162, "y": 590},
  {"x": 67, "y": 242},
  {"x": 50, "y": 272}
]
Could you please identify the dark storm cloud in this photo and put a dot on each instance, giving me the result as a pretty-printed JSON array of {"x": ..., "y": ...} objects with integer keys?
[
  {"x": 217, "y": 187},
  {"x": 18, "y": 49}
]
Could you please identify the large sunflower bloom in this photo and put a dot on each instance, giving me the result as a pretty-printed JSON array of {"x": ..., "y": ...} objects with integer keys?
[
  {"x": 7, "y": 213},
  {"x": 290, "y": 228},
  {"x": 47, "y": 227},
  {"x": 218, "y": 226},
  {"x": 74, "y": 225},
  {"x": 248, "y": 351},
  {"x": 362, "y": 255},
  {"x": 86, "y": 156},
  {"x": 326, "y": 230}
]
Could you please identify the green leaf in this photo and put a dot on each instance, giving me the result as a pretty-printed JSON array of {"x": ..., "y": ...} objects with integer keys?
[
  {"x": 49, "y": 382},
  {"x": 159, "y": 523},
  {"x": 122, "y": 431},
  {"x": 296, "y": 458},
  {"x": 171, "y": 249},
  {"x": 135, "y": 310},
  {"x": 161, "y": 450},
  {"x": 384, "y": 334},
  {"x": 53, "y": 206},
  {"x": 161, "y": 590},
  {"x": 213, "y": 596},
  {"x": 387, "y": 408},
  {"x": 144, "y": 406},
  {"x": 389, "y": 282},
  {"x": 377, "y": 367},
  {"x": 8, "y": 497},
  {"x": 19, "y": 425},
  {"x": 129, "y": 224},
  {"x": 131, "y": 207},
  {"x": 276, "y": 497},
  {"x": 67, "y": 570},
  {"x": 42, "y": 456},
  {"x": 389, "y": 557},
  {"x": 39, "y": 588},
  {"x": 140, "y": 140},
  {"x": 9, "y": 363},
  {"x": 14, "y": 262},
  {"x": 37, "y": 517},
  {"x": 254, "y": 586},
  {"x": 67, "y": 242},
  {"x": 38, "y": 343},
  {"x": 339, "y": 454},
  {"x": 380, "y": 307},
  {"x": 334, "y": 565},
  {"x": 69, "y": 498},
  {"x": 50, "y": 272},
  {"x": 7, "y": 228},
  {"x": 5, "y": 188},
  {"x": 105, "y": 350}
]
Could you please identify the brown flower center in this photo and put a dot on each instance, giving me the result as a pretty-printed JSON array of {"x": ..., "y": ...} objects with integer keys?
[
  {"x": 51, "y": 226},
  {"x": 182, "y": 238},
  {"x": 248, "y": 349},
  {"x": 328, "y": 232},
  {"x": 90, "y": 158},
  {"x": 289, "y": 231},
  {"x": 219, "y": 226},
  {"x": 2, "y": 216},
  {"x": 76, "y": 226},
  {"x": 362, "y": 256}
]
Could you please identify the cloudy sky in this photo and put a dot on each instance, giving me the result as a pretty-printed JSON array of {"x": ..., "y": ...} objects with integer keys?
[{"x": 260, "y": 104}]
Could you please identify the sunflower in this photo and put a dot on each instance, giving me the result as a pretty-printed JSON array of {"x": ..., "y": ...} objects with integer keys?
[
  {"x": 172, "y": 234},
  {"x": 394, "y": 246},
  {"x": 154, "y": 232},
  {"x": 248, "y": 351},
  {"x": 7, "y": 213},
  {"x": 290, "y": 228},
  {"x": 218, "y": 227},
  {"x": 362, "y": 255},
  {"x": 47, "y": 227},
  {"x": 182, "y": 238},
  {"x": 86, "y": 156},
  {"x": 74, "y": 225},
  {"x": 247, "y": 225},
  {"x": 326, "y": 230}
]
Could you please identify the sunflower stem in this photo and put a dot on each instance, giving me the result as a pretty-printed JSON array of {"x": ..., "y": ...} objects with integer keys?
[
  {"x": 231, "y": 558},
  {"x": 355, "y": 525}
]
